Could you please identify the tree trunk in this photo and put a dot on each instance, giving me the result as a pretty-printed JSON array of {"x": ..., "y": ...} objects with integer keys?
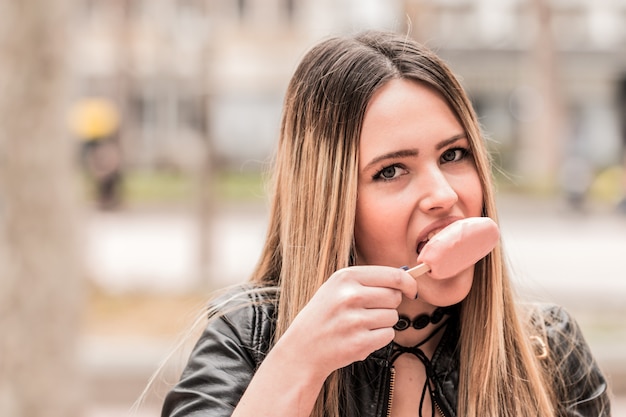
[
  {"x": 540, "y": 154},
  {"x": 40, "y": 274}
]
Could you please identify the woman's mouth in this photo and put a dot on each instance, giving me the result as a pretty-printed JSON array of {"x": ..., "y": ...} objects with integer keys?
[
  {"x": 431, "y": 230},
  {"x": 423, "y": 243}
]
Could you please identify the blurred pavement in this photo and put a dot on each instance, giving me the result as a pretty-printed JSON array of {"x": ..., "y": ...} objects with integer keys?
[{"x": 577, "y": 260}]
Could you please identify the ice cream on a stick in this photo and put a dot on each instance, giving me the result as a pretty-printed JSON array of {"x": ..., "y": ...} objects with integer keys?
[{"x": 457, "y": 247}]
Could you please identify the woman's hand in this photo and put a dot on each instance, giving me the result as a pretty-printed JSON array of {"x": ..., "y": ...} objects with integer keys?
[{"x": 350, "y": 316}]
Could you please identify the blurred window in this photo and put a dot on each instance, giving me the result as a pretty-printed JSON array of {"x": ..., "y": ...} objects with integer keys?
[
  {"x": 242, "y": 5},
  {"x": 191, "y": 9},
  {"x": 191, "y": 113},
  {"x": 144, "y": 109},
  {"x": 96, "y": 12},
  {"x": 570, "y": 25},
  {"x": 139, "y": 10},
  {"x": 88, "y": 8},
  {"x": 290, "y": 9},
  {"x": 454, "y": 20},
  {"x": 191, "y": 21}
]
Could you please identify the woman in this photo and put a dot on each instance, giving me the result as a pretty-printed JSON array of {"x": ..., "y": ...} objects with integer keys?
[{"x": 380, "y": 149}]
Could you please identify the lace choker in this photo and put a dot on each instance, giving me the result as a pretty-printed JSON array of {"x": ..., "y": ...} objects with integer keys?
[{"x": 423, "y": 320}]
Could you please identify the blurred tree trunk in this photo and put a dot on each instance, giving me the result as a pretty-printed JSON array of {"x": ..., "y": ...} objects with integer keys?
[
  {"x": 206, "y": 207},
  {"x": 122, "y": 78},
  {"x": 40, "y": 276},
  {"x": 540, "y": 154}
]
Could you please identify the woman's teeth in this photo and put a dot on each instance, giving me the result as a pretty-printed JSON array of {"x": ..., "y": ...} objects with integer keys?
[{"x": 423, "y": 243}]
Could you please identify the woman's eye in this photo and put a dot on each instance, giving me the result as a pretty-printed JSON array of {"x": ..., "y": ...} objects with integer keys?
[
  {"x": 454, "y": 154},
  {"x": 388, "y": 173}
]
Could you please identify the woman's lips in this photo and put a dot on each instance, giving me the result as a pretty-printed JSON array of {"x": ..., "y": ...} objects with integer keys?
[{"x": 431, "y": 230}]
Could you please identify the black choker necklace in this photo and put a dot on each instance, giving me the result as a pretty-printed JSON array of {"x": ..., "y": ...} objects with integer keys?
[{"x": 422, "y": 320}]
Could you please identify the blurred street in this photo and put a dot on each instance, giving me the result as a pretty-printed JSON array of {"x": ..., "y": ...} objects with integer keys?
[{"x": 577, "y": 260}]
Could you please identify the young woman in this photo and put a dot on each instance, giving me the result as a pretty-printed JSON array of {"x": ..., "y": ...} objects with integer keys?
[{"x": 379, "y": 150}]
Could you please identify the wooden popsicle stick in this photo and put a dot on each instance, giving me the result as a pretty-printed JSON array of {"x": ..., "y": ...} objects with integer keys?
[{"x": 418, "y": 270}]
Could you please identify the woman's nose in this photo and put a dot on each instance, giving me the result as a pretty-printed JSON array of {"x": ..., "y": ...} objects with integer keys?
[{"x": 436, "y": 191}]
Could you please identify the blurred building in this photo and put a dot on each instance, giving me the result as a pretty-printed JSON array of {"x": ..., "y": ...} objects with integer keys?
[
  {"x": 527, "y": 60},
  {"x": 192, "y": 73},
  {"x": 188, "y": 73}
]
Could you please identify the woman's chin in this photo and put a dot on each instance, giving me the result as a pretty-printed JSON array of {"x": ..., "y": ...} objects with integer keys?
[{"x": 445, "y": 292}]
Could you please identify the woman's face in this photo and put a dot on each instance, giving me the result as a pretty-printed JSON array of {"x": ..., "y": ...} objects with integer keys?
[{"x": 416, "y": 175}]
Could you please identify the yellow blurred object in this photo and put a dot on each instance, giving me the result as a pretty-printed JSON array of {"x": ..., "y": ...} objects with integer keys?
[
  {"x": 93, "y": 118},
  {"x": 607, "y": 185}
]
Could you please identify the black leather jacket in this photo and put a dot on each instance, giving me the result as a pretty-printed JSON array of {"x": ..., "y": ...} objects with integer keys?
[{"x": 233, "y": 345}]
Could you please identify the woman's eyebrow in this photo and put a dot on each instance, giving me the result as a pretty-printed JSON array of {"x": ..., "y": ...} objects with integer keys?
[
  {"x": 391, "y": 155},
  {"x": 450, "y": 141}
]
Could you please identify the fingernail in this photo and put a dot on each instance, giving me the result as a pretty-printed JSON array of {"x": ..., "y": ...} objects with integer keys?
[{"x": 406, "y": 268}]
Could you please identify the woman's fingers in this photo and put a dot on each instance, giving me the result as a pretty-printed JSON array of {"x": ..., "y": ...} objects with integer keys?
[
  {"x": 380, "y": 277},
  {"x": 380, "y": 318},
  {"x": 359, "y": 296}
]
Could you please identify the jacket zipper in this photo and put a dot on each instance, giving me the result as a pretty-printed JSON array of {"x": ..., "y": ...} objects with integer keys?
[
  {"x": 434, "y": 401},
  {"x": 441, "y": 413},
  {"x": 392, "y": 382}
]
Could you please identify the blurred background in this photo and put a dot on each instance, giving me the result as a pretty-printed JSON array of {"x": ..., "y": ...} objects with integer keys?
[{"x": 135, "y": 138}]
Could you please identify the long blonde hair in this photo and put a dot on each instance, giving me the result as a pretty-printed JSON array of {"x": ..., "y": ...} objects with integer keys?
[{"x": 312, "y": 217}]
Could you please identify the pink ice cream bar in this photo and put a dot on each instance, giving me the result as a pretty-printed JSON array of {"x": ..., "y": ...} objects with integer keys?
[{"x": 457, "y": 247}]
